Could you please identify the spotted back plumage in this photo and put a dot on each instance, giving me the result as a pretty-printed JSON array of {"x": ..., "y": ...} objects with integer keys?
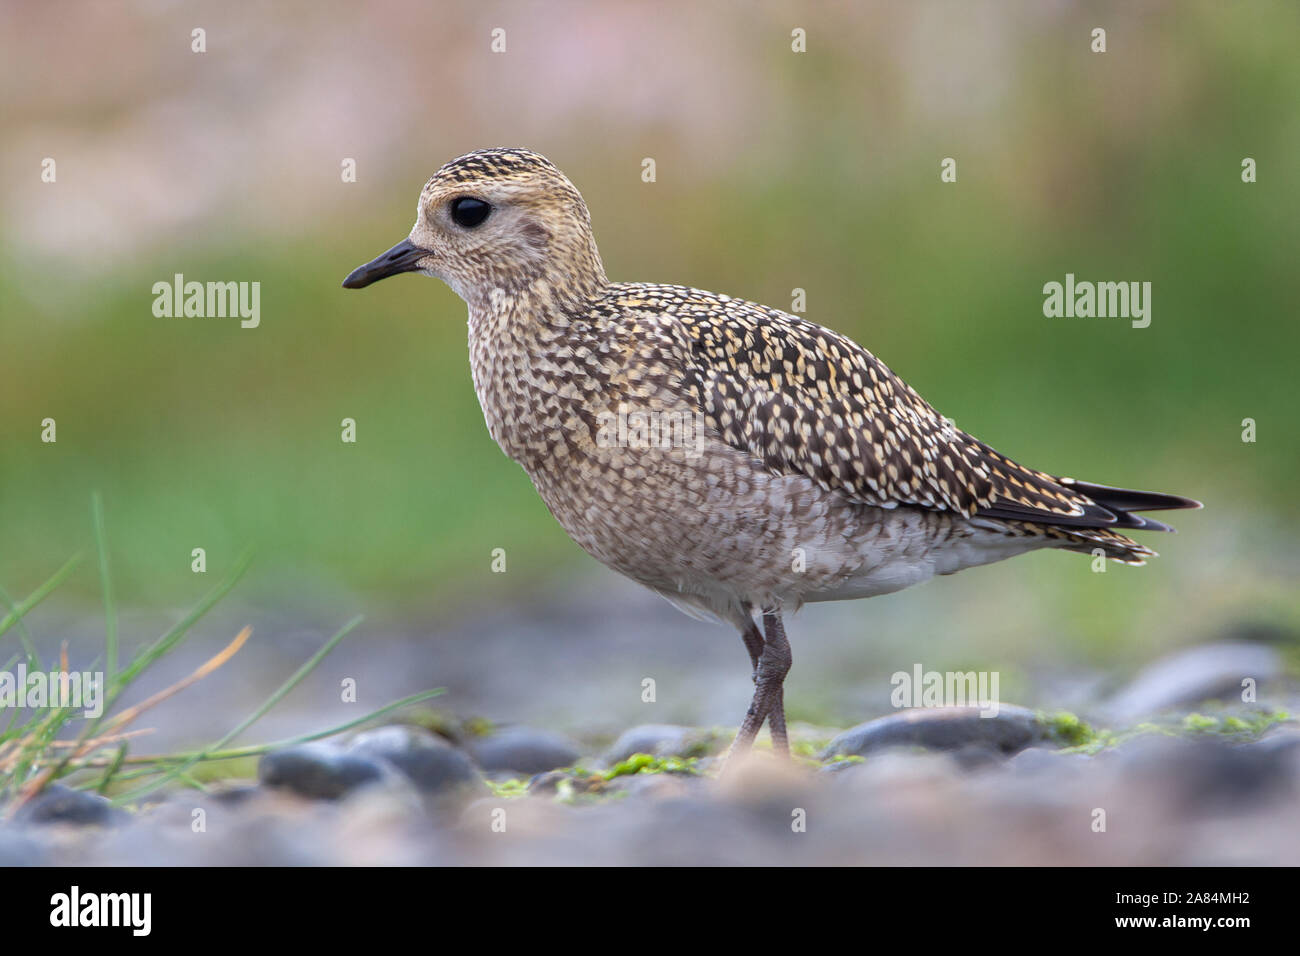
[{"x": 806, "y": 399}]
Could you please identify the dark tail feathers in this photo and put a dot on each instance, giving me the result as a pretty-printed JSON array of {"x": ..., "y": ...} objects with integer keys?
[{"x": 1124, "y": 501}]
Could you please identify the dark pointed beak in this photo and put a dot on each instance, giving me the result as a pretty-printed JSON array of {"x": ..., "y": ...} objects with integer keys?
[{"x": 401, "y": 258}]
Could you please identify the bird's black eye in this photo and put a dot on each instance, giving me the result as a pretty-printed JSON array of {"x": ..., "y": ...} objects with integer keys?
[{"x": 468, "y": 212}]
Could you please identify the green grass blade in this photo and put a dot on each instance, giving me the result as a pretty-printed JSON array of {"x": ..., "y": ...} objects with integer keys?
[
  {"x": 106, "y": 583},
  {"x": 24, "y": 635},
  {"x": 168, "y": 641},
  {"x": 257, "y": 715},
  {"x": 112, "y": 770},
  {"x": 17, "y": 612}
]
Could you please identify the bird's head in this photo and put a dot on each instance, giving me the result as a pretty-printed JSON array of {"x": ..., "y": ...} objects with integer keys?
[{"x": 497, "y": 219}]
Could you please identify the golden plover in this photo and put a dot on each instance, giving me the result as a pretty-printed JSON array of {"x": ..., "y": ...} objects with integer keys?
[{"x": 736, "y": 459}]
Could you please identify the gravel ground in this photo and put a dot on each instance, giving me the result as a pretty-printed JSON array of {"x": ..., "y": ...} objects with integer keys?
[
  {"x": 541, "y": 753},
  {"x": 925, "y": 786},
  {"x": 1154, "y": 800}
]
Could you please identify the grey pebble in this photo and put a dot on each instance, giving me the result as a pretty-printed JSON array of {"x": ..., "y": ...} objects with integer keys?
[
  {"x": 1189, "y": 677},
  {"x": 524, "y": 750},
  {"x": 431, "y": 764},
  {"x": 320, "y": 771},
  {"x": 660, "y": 740},
  {"x": 60, "y": 804},
  {"x": 972, "y": 738}
]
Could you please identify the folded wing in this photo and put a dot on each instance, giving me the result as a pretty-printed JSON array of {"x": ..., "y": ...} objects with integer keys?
[{"x": 806, "y": 400}]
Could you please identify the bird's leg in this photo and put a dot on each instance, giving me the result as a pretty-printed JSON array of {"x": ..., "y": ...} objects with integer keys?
[
  {"x": 753, "y": 639},
  {"x": 754, "y": 717},
  {"x": 771, "y": 666},
  {"x": 749, "y": 726},
  {"x": 777, "y": 649}
]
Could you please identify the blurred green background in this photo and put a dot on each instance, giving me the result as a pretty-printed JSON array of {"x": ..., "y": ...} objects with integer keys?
[{"x": 776, "y": 170}]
